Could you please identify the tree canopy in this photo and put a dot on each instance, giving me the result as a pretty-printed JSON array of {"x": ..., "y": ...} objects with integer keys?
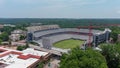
[
  {"x": 83, "y": 59},
  {"x": 114, "y": 33},
  {"x": 4, "y": 36},
  {"x": 112, "y": 54}
]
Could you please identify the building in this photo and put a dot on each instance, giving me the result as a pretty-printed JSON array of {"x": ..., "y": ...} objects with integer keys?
[
  {"x": 101, "y": 37},
  {"x": 15, "y": 35},
  {"x": 1, "y": 26},
  {"x": 10, "y": 25},
  {"x": 28, "y": 58},
  {"x": 18, "y": 32}
]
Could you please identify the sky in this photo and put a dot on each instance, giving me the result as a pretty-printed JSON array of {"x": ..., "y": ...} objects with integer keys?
[{"x": 59, "y": 8}]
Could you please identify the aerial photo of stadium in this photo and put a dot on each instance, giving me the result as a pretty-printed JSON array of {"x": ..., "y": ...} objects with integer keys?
[
  {"x": 60, "y": 34},
  {"x": 50, "y": 36}
]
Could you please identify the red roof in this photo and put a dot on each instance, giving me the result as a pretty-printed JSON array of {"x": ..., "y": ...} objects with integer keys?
[
  {"x": 34, "y": 56},
  {"x": 28, "y": 56},
  {"x": 23, "y": 57}
]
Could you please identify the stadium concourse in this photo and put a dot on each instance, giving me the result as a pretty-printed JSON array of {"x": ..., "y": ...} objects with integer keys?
[{"x": 47, "y": 36}]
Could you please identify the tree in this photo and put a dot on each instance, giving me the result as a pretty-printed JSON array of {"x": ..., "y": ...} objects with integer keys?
[
  {"x": 23, "y": 47},
  {"x": 7, "y": 29},
  {"x": 22, "y": 37},
  {"x": 0, "y": 41},
  {"x": 83, "y": 59},
  {"x": 114, "y": 33},
  {"x": 112, "y": 54},
  {"x": 27, "y": 45},
  {"x": 10, "y": 42},
  {"x": 114, "y": 36},
  {"x": 40, "y": 65},
  {"x": 20, "y": 48},
  {"x": 4, "y": 36}
]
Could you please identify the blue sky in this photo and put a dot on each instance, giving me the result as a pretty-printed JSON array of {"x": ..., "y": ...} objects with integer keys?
[{"x": 59, "y": 8}]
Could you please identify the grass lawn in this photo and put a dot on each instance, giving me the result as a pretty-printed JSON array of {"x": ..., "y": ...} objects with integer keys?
[{"x": 66, "y": 44}]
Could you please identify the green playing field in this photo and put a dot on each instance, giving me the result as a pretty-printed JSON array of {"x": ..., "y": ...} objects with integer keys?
[{"x": 66, "y": 44}]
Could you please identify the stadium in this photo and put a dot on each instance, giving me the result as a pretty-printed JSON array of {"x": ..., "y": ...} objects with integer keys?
[{"x": 48, "y": 35}]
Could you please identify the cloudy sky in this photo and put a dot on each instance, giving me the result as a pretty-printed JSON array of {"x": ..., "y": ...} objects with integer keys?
[{"x": 59, "y": 8}]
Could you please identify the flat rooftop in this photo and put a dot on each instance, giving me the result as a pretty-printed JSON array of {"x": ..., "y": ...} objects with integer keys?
[
  {"x": 17, "y": 59},
  {"x": 12, "y": 61}
]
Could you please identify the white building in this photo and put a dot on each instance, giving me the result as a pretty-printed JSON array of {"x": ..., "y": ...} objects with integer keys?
[
  {"x": 28, "y": 58},
  {"x": 15, "y": 35},
  {"x": 9, "y": 25}
]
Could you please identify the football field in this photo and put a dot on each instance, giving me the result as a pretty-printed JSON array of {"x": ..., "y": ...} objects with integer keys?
[{"x": 68, "y": 44}]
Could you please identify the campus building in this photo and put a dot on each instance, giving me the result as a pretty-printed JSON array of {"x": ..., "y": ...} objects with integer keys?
[
  {"x": 101, "y": 37},
  {"x": 28, "y": 58},
  {"x": 15, "y": 35}
]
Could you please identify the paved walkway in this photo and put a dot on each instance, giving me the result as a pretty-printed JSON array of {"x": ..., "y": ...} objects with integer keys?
[{"x": 61, "y": 50}]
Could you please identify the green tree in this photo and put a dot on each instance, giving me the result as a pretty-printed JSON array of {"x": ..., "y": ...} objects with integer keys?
[
  {"x": 20, "y": 48},
  {"x": 23, "y": 47},
  {"x": 4, "y": 36},
  {"x": 0, "y": 41},
  {"x": 40, "y": 65},
  {"x": 114, "y": 33},
  {"x": 7, "y": 29},
  {"x": 83, "y": 59},
  {"x": 22, "y": 37},
  {"x": 114, "y": 36},
  {"x": 112, "y": 54}
]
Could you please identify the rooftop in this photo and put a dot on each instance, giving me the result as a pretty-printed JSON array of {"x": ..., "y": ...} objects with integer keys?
[{"x": 16, "y": 59}]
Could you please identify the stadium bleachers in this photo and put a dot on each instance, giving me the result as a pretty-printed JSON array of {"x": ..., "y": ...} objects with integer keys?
[
  {"x": 48, "y": 32},
  {"x": 56, "y": 35},
  {"x": 51, "y": 36}
]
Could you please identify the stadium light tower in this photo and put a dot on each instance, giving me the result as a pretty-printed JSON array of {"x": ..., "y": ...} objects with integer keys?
[{"x": 90, "y": 27}]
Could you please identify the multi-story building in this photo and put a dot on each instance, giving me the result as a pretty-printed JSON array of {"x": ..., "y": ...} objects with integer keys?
[
  {"x": 15, "y": 35},
  {"x": 28, "y": 58}
]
